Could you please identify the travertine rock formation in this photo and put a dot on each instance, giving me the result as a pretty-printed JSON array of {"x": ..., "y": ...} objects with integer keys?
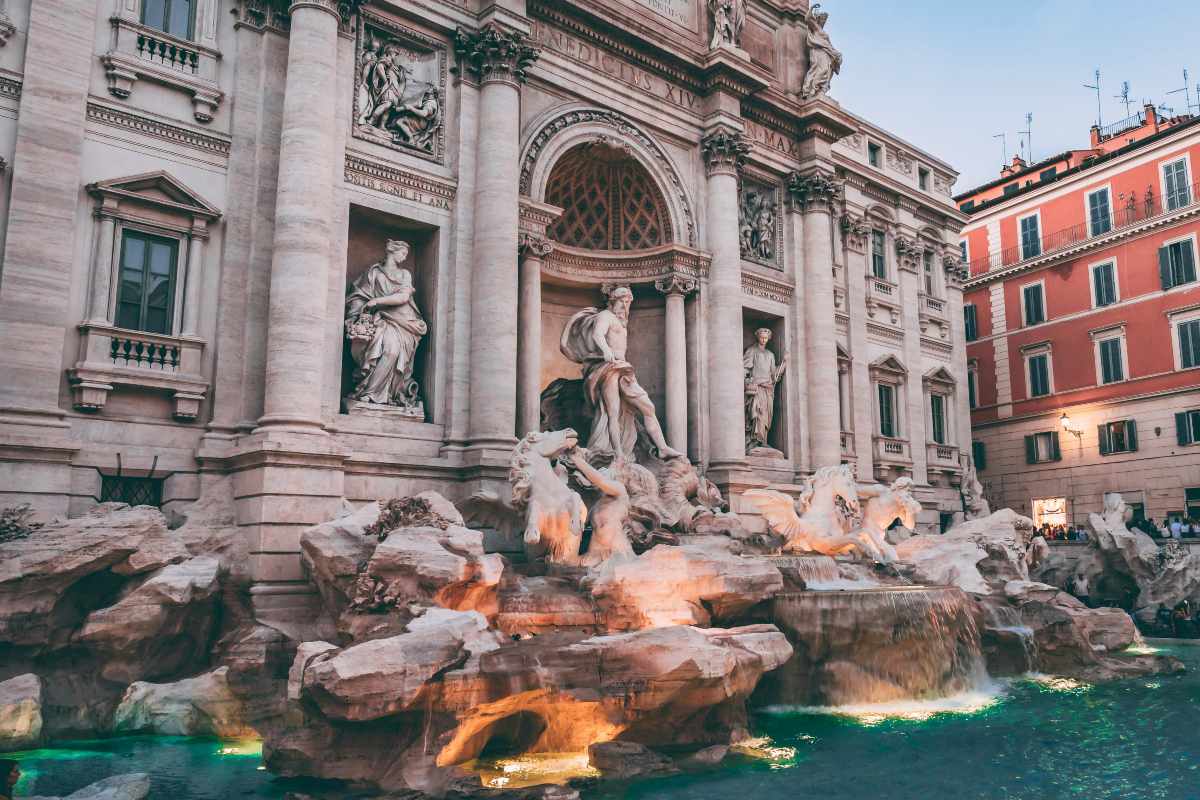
[
  {"x": 134, "y": 786},
  {"x": 20, "y": 712},
  {"x": 199, "y": 706}
]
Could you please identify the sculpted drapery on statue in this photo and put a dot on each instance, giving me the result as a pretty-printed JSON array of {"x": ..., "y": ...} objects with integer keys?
[
  {"x": 824, "y": 61},
  {"x": 762, "y": 374},
  {"x": 597, "y": 339},
  {"x": 385, "y": 326},
  {"x": 728, "y": 19}
]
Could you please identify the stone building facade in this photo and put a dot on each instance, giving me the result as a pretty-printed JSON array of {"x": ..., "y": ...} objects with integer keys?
[{"x": 192, "y": 185}]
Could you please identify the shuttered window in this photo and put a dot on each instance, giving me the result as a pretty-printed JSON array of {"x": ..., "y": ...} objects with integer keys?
[
  {"x": 1039, "y": 375},
  {"x": 1112, "y": 368},
  {"x": 1176, "y": 264},
  {"x": 1175, "y": 185},
  {"x": 1189, "y": 344},
  {"x": 1187, "y": 427},
  {"x": 887, "y": 411},
  {"x": 1042, "y": 447},
  {"x": 971, "y": 396},
  {"x": 970, "y": 322},
  {"x": 937, "y": 408},
  {"x": 170, "y": 16},
  {"x": 1031, "y": 238},
  {"x": 1118, "y": 437},
  {"x": 979, "y": 455},
  {"x": 1034, "y": 304},
  {"x": 1099, "y": 213},
  {"x": 1104, "y": 284}
]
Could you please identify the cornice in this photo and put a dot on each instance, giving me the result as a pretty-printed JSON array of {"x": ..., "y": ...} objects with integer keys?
[
  {"x": 171, "y": 133},
  {"x": 370, "y": 174},
  {"x": 767, "y": 287},
  {"x": 600, "y": 267}
]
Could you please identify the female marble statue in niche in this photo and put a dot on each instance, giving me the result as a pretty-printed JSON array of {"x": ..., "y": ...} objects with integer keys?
[
  {"x": 762, "y": 374},
  {"x": 385, "y": 326},
  {"x": 824, "y": 60}
]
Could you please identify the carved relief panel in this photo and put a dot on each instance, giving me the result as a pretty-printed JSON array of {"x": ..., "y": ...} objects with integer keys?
[
  {"x": 400, "y": 89},
  {"x": 759, "y": 223}
]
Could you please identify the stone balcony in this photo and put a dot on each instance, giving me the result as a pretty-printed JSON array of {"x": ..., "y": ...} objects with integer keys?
[
  {"x": 883, "y": 300},
  {"x": 112, "y": 357},
  {"x": 932, "y": 317},
  {"x": 943, "y": 457},
  {"x": 889, "y": 450},
  {"x": 138, "y": 52}
]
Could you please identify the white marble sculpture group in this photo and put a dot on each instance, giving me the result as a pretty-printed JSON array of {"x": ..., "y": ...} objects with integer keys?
[{"x": 834, "y": 515}]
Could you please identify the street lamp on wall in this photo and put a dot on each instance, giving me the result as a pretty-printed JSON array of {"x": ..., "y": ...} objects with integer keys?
[{"x": 1069, "y": 426}]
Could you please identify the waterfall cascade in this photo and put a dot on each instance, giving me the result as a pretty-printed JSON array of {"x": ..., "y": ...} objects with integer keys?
[{"x": 875, "y": 645}]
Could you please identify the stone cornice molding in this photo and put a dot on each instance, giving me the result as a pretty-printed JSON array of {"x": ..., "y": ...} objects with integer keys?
[
  {"x": 276, "y": 15},
  {"x": 600, "y": 267},
  {"x": 382, "y": 177},
  {"x": 534, "y": 218},
  {"x": 215, "y": 144},
  {"x": 738, "y": 76},
  {"x": 724, "y": 151},
  {"x": 494, "y": 54},
  {"x": 676, "y": 283},
  {"x": 330, "y": 6},
  {"x": 813, "y": 191}
]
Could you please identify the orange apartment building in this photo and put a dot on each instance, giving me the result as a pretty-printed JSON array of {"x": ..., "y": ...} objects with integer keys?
[{"x": 1082, "y": 315}]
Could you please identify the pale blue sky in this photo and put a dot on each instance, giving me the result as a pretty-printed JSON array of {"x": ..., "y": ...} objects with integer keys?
[{"x": 946, "y": 76}]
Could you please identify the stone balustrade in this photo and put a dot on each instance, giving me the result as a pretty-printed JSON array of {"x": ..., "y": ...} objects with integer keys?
[
  {"x": 943, "y": 457},
  {"x": 139, "y": 52},
  {"x": 112, "y": 357}
]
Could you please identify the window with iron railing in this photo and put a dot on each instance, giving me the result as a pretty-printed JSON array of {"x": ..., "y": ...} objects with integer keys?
[
  {"x": 146, "y": 293},
  {"x": 1175, "y": 184},
  {"x": 1176, "y": 264},
  {"x": 1031, "y": 239},
  {"x": 1131, "y": 208},
  {"x": 887, "y": 411},
  {"x": 1099, "y": 212},
  {"x": 879, "y": 254}
]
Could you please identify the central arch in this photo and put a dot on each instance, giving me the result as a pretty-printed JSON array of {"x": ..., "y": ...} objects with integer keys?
[{"x": 562, "y": 132}]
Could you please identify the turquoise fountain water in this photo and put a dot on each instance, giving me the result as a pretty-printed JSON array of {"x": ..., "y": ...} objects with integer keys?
[{"x": 1031, "y": 740}]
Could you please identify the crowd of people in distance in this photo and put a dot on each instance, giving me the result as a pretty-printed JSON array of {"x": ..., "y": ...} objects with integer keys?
[
  {"x": 1062, "y": 533},
  {"x": 1173, "y": 528}
]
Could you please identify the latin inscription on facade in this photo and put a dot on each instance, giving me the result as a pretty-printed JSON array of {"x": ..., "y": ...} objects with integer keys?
[
  {"x": 760, "y": 134},
  {"x": 592, "y": 56},
  {"x": 682, "y": 12}
]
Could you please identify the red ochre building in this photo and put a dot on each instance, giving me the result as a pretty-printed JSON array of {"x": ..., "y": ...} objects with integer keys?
[{"x": 1083, "y": 325}]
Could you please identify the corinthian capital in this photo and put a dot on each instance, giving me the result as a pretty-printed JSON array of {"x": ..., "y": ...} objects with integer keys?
[
  {"x": 857, "y": 232},
  {"x": 813, "y": 191},
  {"x": 909, "y": 251},
  {"x": 676, "y": 284},
  {"x": 533, "y": 245},
  {"x": 724, "y": 150},
  {"x": 494, "y": 54}
]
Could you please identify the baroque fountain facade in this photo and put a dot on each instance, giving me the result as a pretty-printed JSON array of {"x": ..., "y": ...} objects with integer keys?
[{"x": 597, "y": 404}]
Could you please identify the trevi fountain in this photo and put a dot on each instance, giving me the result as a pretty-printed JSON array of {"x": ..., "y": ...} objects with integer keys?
[{"x": 676, "y": 580}]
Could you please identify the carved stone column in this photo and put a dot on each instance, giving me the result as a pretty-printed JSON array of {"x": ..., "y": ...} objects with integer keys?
[
  {"x": 497, "y": 59},
  {"x": 856, "y": 233},
  {"x": 534, "y": 250},
  {"x": 102, "y": 274},
  {"x": 676, "y": 288},
  {"x": 813, "y": 195},
  {"x": 195, "y": 268},
  {"x": 303, "y": 213},
  {"x": 724, "y": 152}
]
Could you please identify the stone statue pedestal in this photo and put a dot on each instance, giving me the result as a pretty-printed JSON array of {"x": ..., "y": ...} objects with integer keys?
[
  {"x": 365, "y": 409},
  {"x": 765, "y": 452}
]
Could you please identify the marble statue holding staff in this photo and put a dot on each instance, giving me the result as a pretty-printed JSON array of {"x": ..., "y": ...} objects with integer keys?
[
  {"x": 761, "y": 376},
  {"x": 385, "y": 326},
  {"x": 597, "y": 339}
]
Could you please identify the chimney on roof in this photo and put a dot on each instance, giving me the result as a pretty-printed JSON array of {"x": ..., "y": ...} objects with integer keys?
[
  {"x": 1152, "y": 116},
  {"x": 1016, "y": 166},
  {"x": 1095, "y": 136}
]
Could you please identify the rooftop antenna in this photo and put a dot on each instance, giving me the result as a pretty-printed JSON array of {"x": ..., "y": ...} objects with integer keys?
[
  {"x": 1099, "y": 107},
  {"x": 1003, "y": 137},
  {"x": 1187, "y": 91},
  {"x": 1124, "y": 98},
  {"x": 1028, "y": 135}
]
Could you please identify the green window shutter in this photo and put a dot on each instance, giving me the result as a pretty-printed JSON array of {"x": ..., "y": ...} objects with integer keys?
[
  {"x": 1055, "y": 449},
  {"x": 1131, "y": 435},
  {"x": 1030, "y": 450},
  {"x": 1105, "y": 441},
  {"x": 1181, "y": 429},
  {"x": 1164, "y": 267}
]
